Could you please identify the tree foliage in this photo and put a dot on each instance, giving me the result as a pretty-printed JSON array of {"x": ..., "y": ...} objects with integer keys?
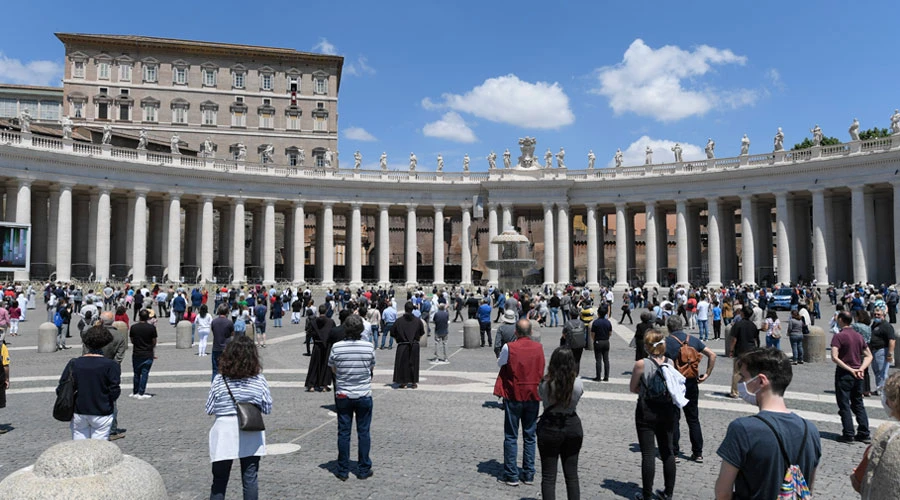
[
  {"x": 807, "y": 143},
  {"x": 874, "y": 133}
]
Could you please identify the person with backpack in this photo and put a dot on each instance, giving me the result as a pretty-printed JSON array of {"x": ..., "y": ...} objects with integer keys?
[
  {"x": 660, "y": 390},
  {"x": 574, "y": 337},
  {"x": 760, "y": 452},
  {"x": 686, "y": 352}
]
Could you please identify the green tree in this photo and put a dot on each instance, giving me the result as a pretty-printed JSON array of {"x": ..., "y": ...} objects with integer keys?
[
  {"x": 807, "y": 143},
  {"x": 874, "y": 133}
]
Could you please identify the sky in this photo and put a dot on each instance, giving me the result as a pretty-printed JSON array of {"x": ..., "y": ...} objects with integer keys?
[{"x": 465, "y": 77}]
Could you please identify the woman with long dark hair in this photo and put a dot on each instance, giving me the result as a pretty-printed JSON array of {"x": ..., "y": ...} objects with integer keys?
[
  {"x": 559, "y": 430},
  {"x": 239, "y": 379}
]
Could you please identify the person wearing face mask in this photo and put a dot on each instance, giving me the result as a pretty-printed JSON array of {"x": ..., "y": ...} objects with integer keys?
[
  {"x": 753, "y": 466},
  {"x": 877, "y": 477}
]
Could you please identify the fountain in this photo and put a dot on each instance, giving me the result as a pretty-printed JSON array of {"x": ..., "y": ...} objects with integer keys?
[{"x": 509, "y": 265}]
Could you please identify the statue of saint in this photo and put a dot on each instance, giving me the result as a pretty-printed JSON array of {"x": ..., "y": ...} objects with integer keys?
[
  {"x": 710, "y": 149},
  {"x": 66, "y": 127},
  {"x": 591, "y": 159},
  {"x": 329, "y": 158},
  {"x": 492, "y": 160},
  {"x": 413, "y": 161},
  {"x": 383, "y": 161},
  {"x": 854, "y": 130},
  {"x": 648, "y": 156},
  {"x": 548, "y": 159},
  {"x": 241, "y": 152},
  {"x": 268, "y": 153},
  {"x": 745, "y": 145},
  {"x": 142, "y": 140},
  {"x": 677, "y": 150},
  {"x": 357, "y": 160},
  {"x": 895, "y": 122},
  {"x": 817, "y": 135},
  {"x": 208, "y": 148},
  {"x": 173, "y": 144},
  {"x": 561, "y": 158},
  {"x": 506, "y": 158},
  {"x": 779, "y": 140},
  {"x": 466, "y": 163},
  {"x": 25, "y": 121},
  {"x": 107, "y": 135},
  {"x": 301, "y": 157},
  {"x": 440, "y": 159},
  {"x": 618, "y": 157}
]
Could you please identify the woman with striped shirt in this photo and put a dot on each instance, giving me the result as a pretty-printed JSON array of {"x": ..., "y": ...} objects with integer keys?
[{"x": 240, "y": 369}]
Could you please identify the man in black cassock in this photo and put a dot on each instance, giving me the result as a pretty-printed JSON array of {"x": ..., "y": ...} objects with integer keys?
[
  {"x": 407, "y": 331},
  {"x": 318, "y": 376}
]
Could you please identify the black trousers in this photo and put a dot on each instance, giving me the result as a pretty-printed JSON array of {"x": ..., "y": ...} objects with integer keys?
[
  {"x": 559, "y": 438},
  {"x": 717, "y": 328},
  {"x": 601, "y": 358},
  {"x": 577, "y": 353},
  {"x": 662, "y": 433},
  {"x": 692, "y": 416},
  {"x": 626, "y": 312},
  {"x": 485, "y": 332},
  {"x": 848, "y": 392}
]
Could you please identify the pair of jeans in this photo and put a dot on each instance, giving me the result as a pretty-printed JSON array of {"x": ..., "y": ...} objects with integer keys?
[
  {"x": 796, "y": 347},
  {"x": 387, "y": 335},
  {"x": 692, "y": 416},
  {"x": 485, "y": 332},
  {"x": 215, "y": 362},
  {"x": 61, "y": 333},
  {"x": 440, "y": 342},
  {"x": 601, "y": 358},
  {"x": 703, "y": 325},
  {"x": 91, "y": 426},
  {"x": 374, "y": 334},
  {"x": 662, "y": 432},
  {"x": 880, "y": 367},
  {"x": 526, "y": 413},
  {"x": 559, "y": 437},
  {"x": 554, "y": 316},
  {"x": 848, "y": 390},
  {"x": 222, "y": 469},
  {"x": 346, "y": 408},
  {"x": 773, "y": 342},
  {"x": 141, "y": 373}
]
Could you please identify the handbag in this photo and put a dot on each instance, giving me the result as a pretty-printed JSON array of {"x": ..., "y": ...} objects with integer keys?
[
  {"x": 64, "y": 406},
  {"x": 249, "y": 415},
  {"x": 805, "y": 328}
]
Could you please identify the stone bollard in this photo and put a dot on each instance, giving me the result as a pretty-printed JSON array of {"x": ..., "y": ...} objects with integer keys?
[
  {"x": 471, "y": 334},
  {"x": 727, "y": 337},
  {"x": 423, "y": 340},
  {"x": 183, "y": 335},
  {"x": 250, "y": 332},
  {"x": 87, "y": 469},
  {"x": 535, "y": 331},
  {"x": 814, "y": 345},
  {"x": 47, "y": 333}
]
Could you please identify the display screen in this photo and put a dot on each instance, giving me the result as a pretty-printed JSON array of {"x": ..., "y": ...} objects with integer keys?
[{"x": 15, "y": 252}]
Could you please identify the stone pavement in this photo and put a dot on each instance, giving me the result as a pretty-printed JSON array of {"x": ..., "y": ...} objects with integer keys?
[{"x": 443, "y": 440}]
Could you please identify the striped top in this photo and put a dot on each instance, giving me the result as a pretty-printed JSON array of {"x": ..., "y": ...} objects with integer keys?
[
  {"x": 246, "y": 390},
  {"x": 353, "y": 361}
]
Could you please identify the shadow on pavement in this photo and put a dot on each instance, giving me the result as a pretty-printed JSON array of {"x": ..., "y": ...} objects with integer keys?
[
  {"x": 491, "y": 467},
  {"x": 620, "y": 488},
  {"x": 493, "y": 404}
]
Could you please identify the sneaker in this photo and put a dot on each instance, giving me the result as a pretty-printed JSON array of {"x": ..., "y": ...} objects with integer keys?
[
  {"x": 365, "y": 475},
  {"x": 844, "y": 439},
  {"x": 339, "y": 476},
  {"x": 118, "y": 435},
  {"x": 144, "y": 396},
  {"x": 661, "y": 495},
  {"x": 528, "y": 482},
  {"x": 509, "y": 482},
  {"x": 863, "y": 439},
  {"x": 133, "y": 395},
  {"x": 697, "y": 458}
]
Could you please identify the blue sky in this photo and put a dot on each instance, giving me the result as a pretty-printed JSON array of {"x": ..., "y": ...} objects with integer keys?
[{"x": 470, "y": 77}]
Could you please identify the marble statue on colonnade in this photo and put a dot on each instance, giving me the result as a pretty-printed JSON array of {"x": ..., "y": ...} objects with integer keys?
[
  {"x": 492, "y": 160},
  {"x": 561, "y": 158},
  {"x": 854, "y": 130},
  {"x": 526, "y": 146},
  {"x": 677, "y": 150},
  {"x": 241, "y": 152},
  {"x": 301, "y": 157},
  {"x": 357, "y": 160},
  {"x": 329, "y": 158},
  {"x": 817, "y": 135},
  {"x": 745, "y": 145},
  {"x": 618, "y": 157},
  {"x": 710, "y": 149},
  {"x": 173, "y": 144},
  {"x": 66, "y": 127},
  {"x": 107, "y": 135},
  {"x": 779, "y": 140},
  {"x": 268, "y": 154},
  {"x": 648, "y": 157},
  {"x": 208, "y": 148},
  {"x": 25, "y": 121},
  {"x": 466, "y": 163},
  {"x": 591, "y": 159},
  {"x": 895, "y": 122},
  {"x": 383, "y": 161},
  {"x": 507, "y": 158},
  {"x": 440, "y": 160},
  {"x": 413, "y": 162},
  {"x": 548, "y": 159},
  {"x": 142, "y": 139}
]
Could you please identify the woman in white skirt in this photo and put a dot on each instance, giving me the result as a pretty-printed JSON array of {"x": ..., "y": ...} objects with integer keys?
[
  {"x": 204, "y": 326},
  {"x": 240, "y": 369}
]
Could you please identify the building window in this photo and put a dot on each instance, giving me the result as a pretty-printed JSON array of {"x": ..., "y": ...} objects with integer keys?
[
  {"x": 124, "y": 72},
  {"x": 78, "y": 108},
  {"x": 237, "y": 79},
  {"x": 150, "y": 112},
  {"x": 321, "y": 85},
  {"x": 321, "y": 124},
  {"x": 102, "y": 111},
  {"x": 103, "y": 71},
  {"x": 8, "y": 108},
  {"x": 78, "y": 69},
  {"x": 320, "y": 161},
  {"x": 238, "y": 118},
  {"x": 179, "y": 115},
  {"x": 209, "y": 77},
  {"x": 293, "y": 84},
  {"x": 49, "y": 110},
  {"x": 124, "y": 112},
  {"x": 180, "y": 76},
  {"x": 293, "y": 158},
  {"x": 266, "y": 120},
  {"x": 265, "y": 82},
  {"x": 293, "y": 122},
  {"x": 150, "y": 73},
  {"x": 209, "y": 117}
]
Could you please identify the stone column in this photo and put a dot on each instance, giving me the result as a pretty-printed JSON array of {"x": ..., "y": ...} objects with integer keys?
[
  {"x": 819, "y": 235},
  {"x": 896, "y": 212},
  {"x": 384, "y": 246},
  {"x": 507, "y": 221},
  {"x": 465, "y": 245},
  {"x": 206, "y": 239},
  {"x": 783, "y": 228},
  {"x": 128, "y": 222},
  {"x": 297, "y": 245},
  {"x": 224, "y": 236},
  {"x": 563, "y": 257},
  {"x": 592, "y": 276},
  {"x": 493, "y": 251},
  {"x": 238, "y": 248},
  {"x": 11, "y": 195},
  {"x": 681, "y": 242},
  {"x": 748, "y": 255},
  {"x": 438, "y": 251},
  {"x": 651, "y": 251},
  {"x": 39, "y": 228},
  {"x": 23, "y": 216},
  {"x": 52, "y": 225},
  {"x": 174, "y": 238},
  {"x": 139, "y": 257},
  {"x": 621, "y": 250},
  {"x": 64, "y": 234},
  {"x": 714, "y": 243},
  {"x": 92, "y": 232},
  {"x": 549, "y": 242},
  {"x": 859, "y": 233},
  {"x": 104, "y": 220},
  {"x": 327, "y": 259},
  {"x": 411, "y": 249},
  {"x": 268, "y": 251},
  {"x": 355, "y": 244}
]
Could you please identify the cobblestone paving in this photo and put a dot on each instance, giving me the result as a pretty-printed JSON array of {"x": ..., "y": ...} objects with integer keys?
[{"x": 443, "y": 440}]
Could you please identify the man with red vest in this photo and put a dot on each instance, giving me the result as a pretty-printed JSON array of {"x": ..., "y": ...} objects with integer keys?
[{"x": 521, "y": 369}]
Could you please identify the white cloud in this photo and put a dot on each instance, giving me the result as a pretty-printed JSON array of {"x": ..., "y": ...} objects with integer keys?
[
  {"x": 506, "y": 99},
  {"x": 359, "y": 68},
  {"x": 774, "y": 77},
  {"x": 30, "y": 73},
  {"x": 635, "y": 154},
  {"x": 358, "y": 134},
  {"x": 325, "y": 47},
  {"x": 452, "y": 127},
  {"x": 662, "y": 83}
]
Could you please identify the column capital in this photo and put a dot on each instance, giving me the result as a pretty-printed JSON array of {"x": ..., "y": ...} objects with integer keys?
[
  {"x": 620, "y": 205},
  {"x": 857, "y": 188},
  {"x": 465, "y": 206},
  {"x": 298, "y": 203},
  {"x": 24, "y": 183},
  {"x": 649, "y": 204},
  {"x": 548, "y": 205},
  {"x": 237, "y": 201},
  {"x": 746, "y": 196},
  {"x": 67, "y": 185},
  {"x": 384, "y": 206},
  {"x": 562, "y": 206},
  {"x": 356, "y": 205},
  {"x": 438, "y": 207},
  {"x": 269, "y": 203},
  {"x": 142, "y": 192},
  {"x": 175, "y": 195},
  {"x": 492, "y": 205},
  {"x": 208, "y": 198},
  {"x": 328, "y": 205},
  {"x": 780, "y": 194},
  {"x": 411, "y": 207},
  {"x": 821, "y": 189}
]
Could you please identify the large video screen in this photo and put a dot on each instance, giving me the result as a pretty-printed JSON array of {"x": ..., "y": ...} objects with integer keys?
[{"x": 15, "y": 254}]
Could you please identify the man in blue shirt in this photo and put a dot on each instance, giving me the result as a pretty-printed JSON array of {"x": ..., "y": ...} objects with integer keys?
[
  {"x": 389, "y": 317},
  {"x": 500, "y": 303},
  {"x": 484, "y": 320}
]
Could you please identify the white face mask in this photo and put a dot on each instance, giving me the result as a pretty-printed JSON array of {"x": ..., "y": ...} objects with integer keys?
[{"x": 745, "y": 394}]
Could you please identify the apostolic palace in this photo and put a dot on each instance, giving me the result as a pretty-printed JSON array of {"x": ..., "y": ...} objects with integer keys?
[{"x": 164, "y": 159}]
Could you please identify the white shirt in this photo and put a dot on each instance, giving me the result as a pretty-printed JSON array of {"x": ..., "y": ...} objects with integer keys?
[{"x": 703, "y": 310}]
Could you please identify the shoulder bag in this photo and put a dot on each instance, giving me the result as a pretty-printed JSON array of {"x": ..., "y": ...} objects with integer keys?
[
  {"x": 249, "y": 415},
  {"x": 64, "y": 407}
]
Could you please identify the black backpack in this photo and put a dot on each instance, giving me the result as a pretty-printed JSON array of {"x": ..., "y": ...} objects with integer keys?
[
  {"x": 654, "y": 397},
  {"x": 575, "y": 334}
]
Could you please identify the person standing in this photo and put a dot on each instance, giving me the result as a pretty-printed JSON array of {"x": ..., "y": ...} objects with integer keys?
[
  {"x": 441, "y": 330},
  {"x": 222, "y": 330},
  {"x": 753, "y": 451},
  {"x": 852, "y": 357},
  {"x": 179, "y": 306},
  {"x": 4, "y": 383},
  {"x": 97, "y": 380},
  {"x": 115, "y": 351},
  {"x": 389, "y": 316},
  {"x": 882, "y": 347},
  {"x": 64, "y": 310},
  {"x": 601, "y": 329},
  {"x": 318, "y": 376},
  {"x": 506, "y": 332},
  {"x": 574, "y": 336},
  {"x": 744, "y": 338},
  {"x": 259, "y": 323},
  {"x": 559, "y": 431},
  {"x": 143, "y": 337},
  {"x": 484, "y": 320},
  {"x": 241, "y": 380},
  {"x": 373, "y": 316},
  {"x": 521, "y": 369},
  {"x": 703, "y": 318},
  {"x": 352, "y": 362},
  {"x": 408, "y": 330},
  {"x": 204, "y": 327},
  {"x": 795, "y": 336},
  {"x": 717, "y": 320}
]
